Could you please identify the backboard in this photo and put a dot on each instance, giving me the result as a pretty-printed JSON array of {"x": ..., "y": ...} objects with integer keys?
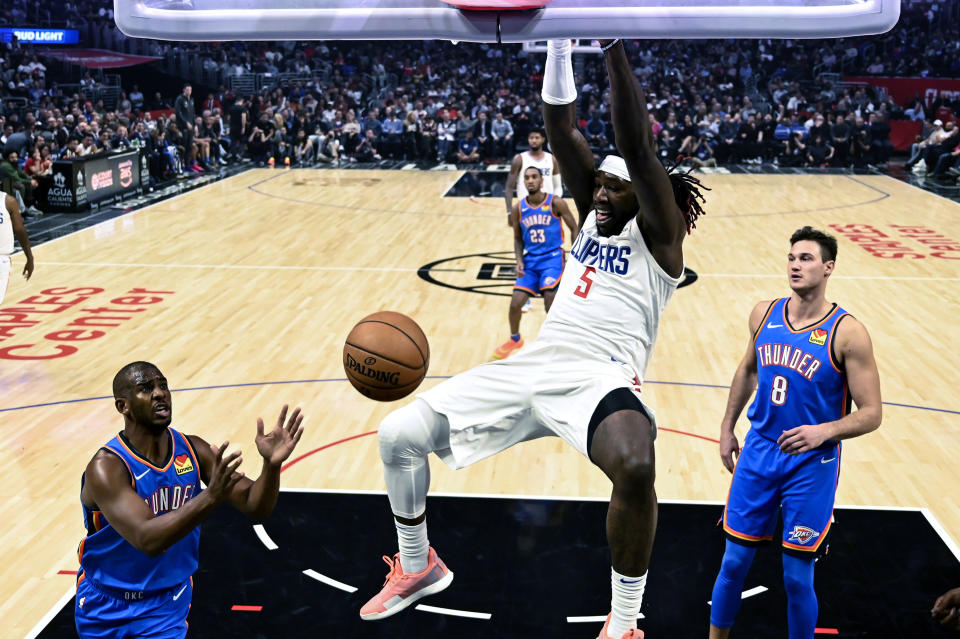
[{"x": 204, "y": 20}]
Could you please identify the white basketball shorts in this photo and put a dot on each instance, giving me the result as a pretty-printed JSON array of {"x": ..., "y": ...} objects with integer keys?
[{"x": 542, "y": 390}]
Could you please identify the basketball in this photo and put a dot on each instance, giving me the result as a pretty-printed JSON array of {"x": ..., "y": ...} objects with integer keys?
[{"x": 386, "y": 356}]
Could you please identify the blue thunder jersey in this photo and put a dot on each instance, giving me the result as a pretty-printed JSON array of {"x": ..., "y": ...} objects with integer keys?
[
  {"x": 110, "y": 560},
  {"x": 798, "y": 379},
  {"x": 542, "y": 228}
]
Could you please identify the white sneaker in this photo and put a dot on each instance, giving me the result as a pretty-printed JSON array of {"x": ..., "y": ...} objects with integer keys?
[{"x": 526, "y": 307}]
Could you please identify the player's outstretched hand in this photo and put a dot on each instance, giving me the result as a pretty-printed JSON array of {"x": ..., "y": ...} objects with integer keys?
[
  {"x": 28, "y": 268},
  {"x": 801, "y": 439},
  {"x": 224, "y": 475},
  {"x": 729, "y": 450},
  {"x": 277, "y": 445},
  {"x": 946, "y": 610}
]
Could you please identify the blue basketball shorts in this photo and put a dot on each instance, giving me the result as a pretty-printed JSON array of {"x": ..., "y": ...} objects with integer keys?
[
  {"x": 767, "y": 482},
  {"x": 110, "y": 614},
  {"x": 541, "y": 272}
]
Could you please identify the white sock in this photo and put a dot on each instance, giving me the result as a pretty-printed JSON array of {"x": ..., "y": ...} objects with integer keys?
[
  {"x": 625, "y": 604},
  {"x": 414, "y": 546}
]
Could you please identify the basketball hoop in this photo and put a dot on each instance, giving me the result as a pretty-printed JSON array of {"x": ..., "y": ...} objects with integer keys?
[
  {"x": 522, "y": 21},
  {"x": 498, "y": 5}
]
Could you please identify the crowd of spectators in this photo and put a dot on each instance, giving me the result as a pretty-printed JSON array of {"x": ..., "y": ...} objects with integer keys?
[{"x": 711, "y": 102}]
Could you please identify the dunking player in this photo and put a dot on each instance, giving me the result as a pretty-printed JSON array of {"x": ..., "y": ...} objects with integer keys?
[
  {"x": 11, "y": 224},
  {"x": 142, "y": 506},
  {"x": 807, "y": 358},
  {"x": 543, "y": 160},
  {"x": 538, "y": 245},
  {"x": 580, "y": 379}
]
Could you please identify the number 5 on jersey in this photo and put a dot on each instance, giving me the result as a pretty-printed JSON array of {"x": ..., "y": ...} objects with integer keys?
[{"x": 587, "y": 281}]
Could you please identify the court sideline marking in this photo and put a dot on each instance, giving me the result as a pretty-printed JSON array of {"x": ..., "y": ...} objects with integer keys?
[
  {"x": 344, "y": 379},
  {"x": 390, "y": 269}
]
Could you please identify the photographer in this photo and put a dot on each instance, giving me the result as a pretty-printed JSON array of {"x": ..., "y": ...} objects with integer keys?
[
  {"x": 840, "y": 132},
  {"x": 861, "y": 148},
  {"x": 794, "y": 150},
  {"x": 258, "y": 145},
  {"x": 702, "y": 154},
  {"x": 819, "y": 153},
  {"x": 302, "y": 148},
  {"x": 329, "y": 148}
]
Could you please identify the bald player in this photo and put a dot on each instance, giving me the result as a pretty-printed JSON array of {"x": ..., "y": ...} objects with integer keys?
[{"x": 143, "y": 503}]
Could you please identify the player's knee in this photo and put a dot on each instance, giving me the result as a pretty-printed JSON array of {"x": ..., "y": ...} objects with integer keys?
[
  {"x": 410, "y": 431},
  {"x": 736, "y": 562},
  {"x": 398, "y": 436},
  {"x": 797, "y": 586},
  {"x": 636, "y": 469},
  {"x": 798, "y": 577}
]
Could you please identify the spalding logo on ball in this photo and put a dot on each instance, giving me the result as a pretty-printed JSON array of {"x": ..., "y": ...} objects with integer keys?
[{"x": 386, "y": 356}]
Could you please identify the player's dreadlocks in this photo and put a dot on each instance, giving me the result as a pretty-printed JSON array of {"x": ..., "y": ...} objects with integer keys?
[{"x": 686, "y": 192}]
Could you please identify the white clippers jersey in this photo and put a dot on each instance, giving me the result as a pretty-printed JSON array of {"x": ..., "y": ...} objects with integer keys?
[
  {"x": 611, "y": 297},
  {"x": 6, "y": 228},
  {"x": 546, "y": 167}
]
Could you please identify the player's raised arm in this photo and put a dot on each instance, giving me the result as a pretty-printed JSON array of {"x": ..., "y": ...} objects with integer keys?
[
  {"x": 257, "y": 498},
  {"x": 741, "y": 388},
  {"x": 660, "y": 217},
  {"x": 568, "y": 144}
]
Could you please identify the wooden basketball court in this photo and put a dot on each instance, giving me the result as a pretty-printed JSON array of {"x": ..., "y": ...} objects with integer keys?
[{"x": 242, "y": 293}]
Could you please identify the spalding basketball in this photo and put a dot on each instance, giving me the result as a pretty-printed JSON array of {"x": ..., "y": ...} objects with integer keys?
[{"x": 386, "y": 356}]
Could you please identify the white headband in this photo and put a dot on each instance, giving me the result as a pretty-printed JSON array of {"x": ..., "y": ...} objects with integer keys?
[{"x": 614, "y": 165}]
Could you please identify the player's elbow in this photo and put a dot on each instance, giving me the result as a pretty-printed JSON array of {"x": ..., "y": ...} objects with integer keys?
[
  {"x": 871, "y": 415},
  {"x": 150, "y": 547},
  {"x": 260, "y": 511}
]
